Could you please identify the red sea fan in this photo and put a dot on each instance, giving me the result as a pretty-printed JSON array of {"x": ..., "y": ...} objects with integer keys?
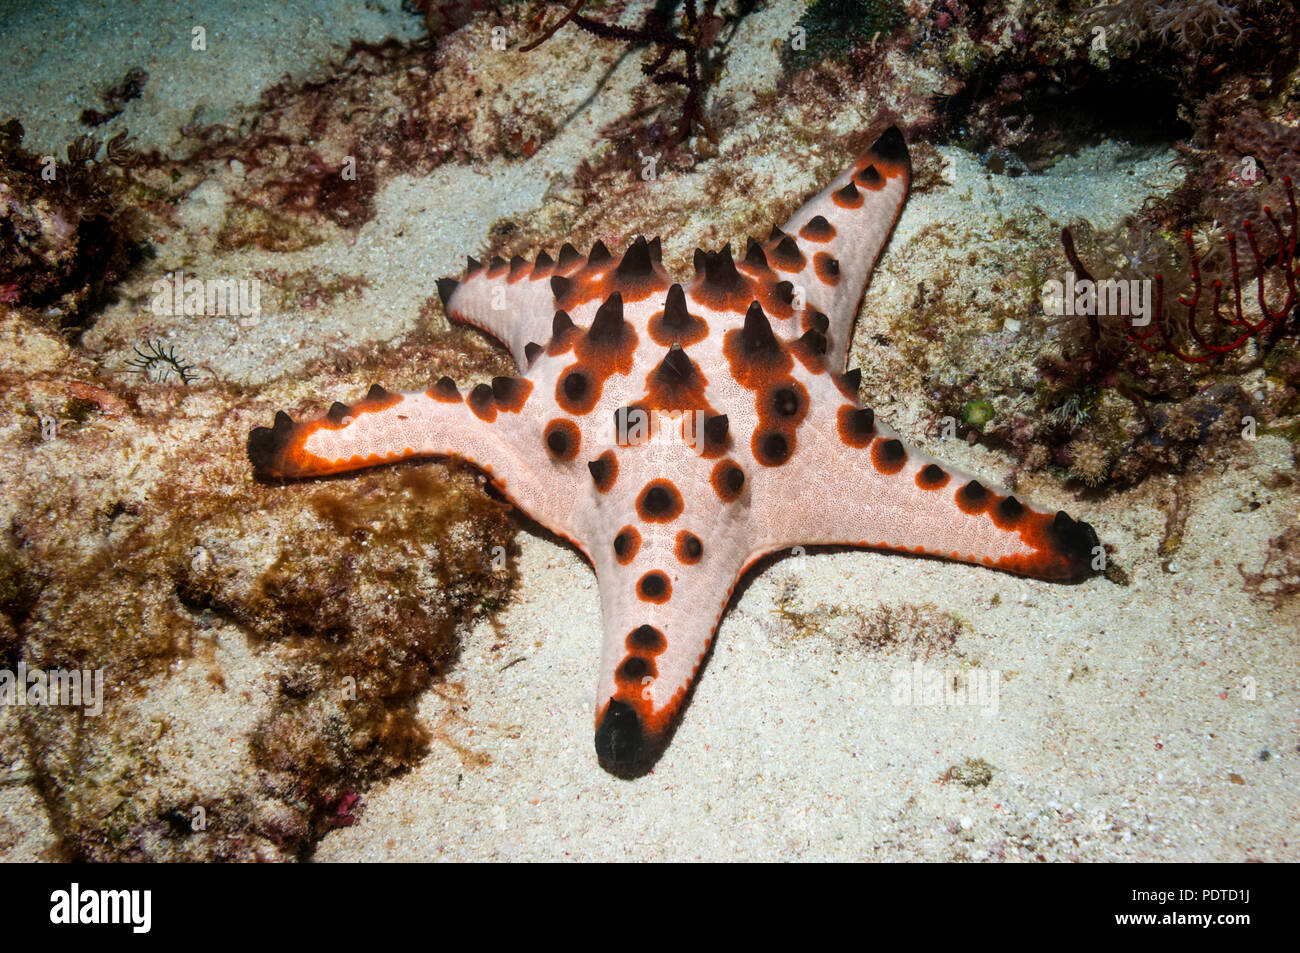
[{"x": 1201, "y": 333}]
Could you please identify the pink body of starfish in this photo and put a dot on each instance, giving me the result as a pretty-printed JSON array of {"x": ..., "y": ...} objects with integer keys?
[{"x": 678, "y": 432}]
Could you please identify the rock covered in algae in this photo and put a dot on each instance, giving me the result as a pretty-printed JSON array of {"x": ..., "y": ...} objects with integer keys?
[{"x": 262, "y": 647}]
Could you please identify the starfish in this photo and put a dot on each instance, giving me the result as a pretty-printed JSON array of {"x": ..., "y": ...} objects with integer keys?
[{"x": 677, "y": 432}]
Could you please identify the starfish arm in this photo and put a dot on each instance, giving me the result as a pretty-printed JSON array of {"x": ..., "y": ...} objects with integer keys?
[
  {"x": 830, "y": 246},
  {"x": 511, "y": 301},
  {"x": 664, "y": 588},
  {"x": 877, "y": 492},
  {"x": 516, "y": 302},
  {"x": 483, "y": 428}
]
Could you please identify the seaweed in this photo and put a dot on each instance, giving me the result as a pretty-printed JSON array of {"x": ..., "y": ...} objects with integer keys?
[
  {"x": 1207, "y": 329},
  {"x": 832, "y": 29},
  {"x": 67, "y": 228},
  {"x": 1278, "y": 578},
  {"x": 698, "y": 32},
  {"x": 116, "y": 97}
]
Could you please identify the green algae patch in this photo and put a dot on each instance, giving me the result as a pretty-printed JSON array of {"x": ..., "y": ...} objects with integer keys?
[
  {"x": 977, "y": 413},
  {"x": 247, "y": 226},
  {"x": 971, "y": 773},
  {"x": 833, "y": 28}
]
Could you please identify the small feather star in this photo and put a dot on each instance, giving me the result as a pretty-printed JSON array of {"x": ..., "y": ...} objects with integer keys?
[{"x": 677, "y": 432}]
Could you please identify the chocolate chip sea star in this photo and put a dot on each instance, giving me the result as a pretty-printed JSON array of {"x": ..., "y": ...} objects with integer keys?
[{"x": 678, "y": 432}]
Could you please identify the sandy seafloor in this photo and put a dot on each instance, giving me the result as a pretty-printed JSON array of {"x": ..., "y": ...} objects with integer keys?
[{"x": 1156, "y": 721}]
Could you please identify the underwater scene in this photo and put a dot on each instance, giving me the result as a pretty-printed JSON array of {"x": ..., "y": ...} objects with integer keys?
[{"x": 654, "y": 430}]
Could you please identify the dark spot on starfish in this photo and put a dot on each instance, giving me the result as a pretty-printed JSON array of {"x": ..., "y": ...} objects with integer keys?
[
  {"x": 786, "y": 255},
  {"x": 621, "y": 741},
  {"x": 569, "y": 256},
  {"x": 870, "y": 178},
  {"x": 562, "y": 324},
  {"x": 817, "y": 229},
  {"x": 1008, "y": 513},
  {"x": 482, "y": 402},
  {"x": 827, "y": 268},
  {"x": 606, "y": 349},
  {"x": 771, "y": 448},
  {"x": 518, "y": 268},
  {"x": 531, "y": 350},
  {"x": 445, "y": 390},
  {"x": 634, "y": 669},
  {"x": 754, "y": 354},
  {"x": 654, "y": 587},
  {"x": 756, "y": 337},
  {"x": 471, "y": 265},
  {"x": 631, "y": 426},
  {"x": 659, "y": 502},
  {"x": 676, "y": 386},
  {"x": 604, "y": 471},
  {"x": 888, "y": 456},
  {"x": 891, "y": 149},
  {"x": 511, "y": 392},
  {"x": 627, "y": 544},
  {"x": 847, "y": 197},
  {"x": 575, "y": 386},
  {"x": 688, "y": 549},
  {"x": 727, "y": 480},
  {"x": 338, "y": 413},
  {"x": 856, "y": 425},
  {"x": 785, "y": 402},
  {"x": 816, "y": 321},
  {"x": 646, "y": 638},
  {"x": 850, "y": 381},
  {"x": 267, "y": 447},
  {"x": 754, "y": 256},
  {"x": 376, "y": 399},
  {"x": 1075, "y": 541},
  {"x": 564, "y": 334},
  {"x": 560, "y": 287},
  {"x": 675, "y": 371},
  {"x": 932, "y": 477},
  {"x": 718, "y": 284},
  {"x": 972, "y": 498},
  {"x": 608, "y": 325},
  {"x": 777, "y": 298},
  {"x": 544, "y": 263},
  {"x": 562, "y": 439},
  {"x": 635, "y": 264},
  {"x": 635, "y": 276},
  {"x": 812, "y": 344},
  {"x": 446, "y": 286},
  {"x": 496, "y": 266},
  {"x": 599, "y": 254},
  {"x": 715, "y": 431},
  {"x": 677, "y": 325}
]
